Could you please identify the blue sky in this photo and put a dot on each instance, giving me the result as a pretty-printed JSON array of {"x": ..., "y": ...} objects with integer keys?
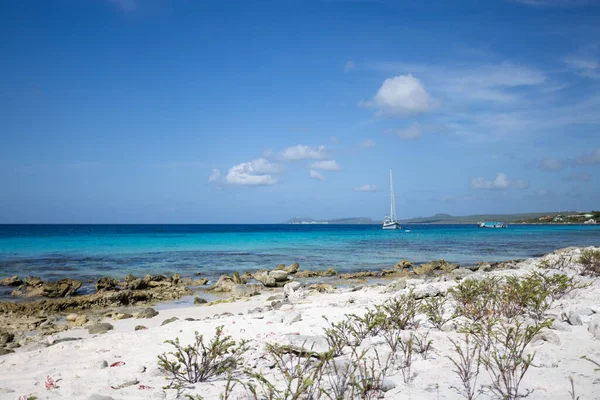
[{"x": 181, "y": 111}]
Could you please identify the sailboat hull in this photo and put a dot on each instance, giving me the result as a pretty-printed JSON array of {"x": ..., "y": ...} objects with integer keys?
[{"x": 392, "y": 225}]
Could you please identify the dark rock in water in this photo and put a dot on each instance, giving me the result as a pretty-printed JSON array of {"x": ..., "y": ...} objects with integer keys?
[
  {"x": 175, "y": 279},
  {"x": 358, "y": 275},
  {"x": 148, "y": 312},
  {"x": 404, "y": 264},
  {"x": 60, "y": 288},
  {"x": 136, "y": 284},
  {"x": 239, "y": 291},
  {"x": 4, "y": 351},
  {"x": 322, "y": 287},
  {"x": 312, "y": 274},
  {"x": 224, "y": 284},
  {"x": 12, "y": 281},
  {"x": 169, "y": 320},
  {"x": 290, "y": 269},
  {"x": 35, "y": 287},
  {"x": 130, "y": 278},
  {"x": 107, "y": 284},
  {"x": 140, "y": 328},
  {"x": 199, "y": 300},
  {"x": 99, "y": 328},
  {"x": 6, "y": 337}
]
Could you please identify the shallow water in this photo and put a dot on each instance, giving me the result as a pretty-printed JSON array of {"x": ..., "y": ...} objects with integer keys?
[{"x": 88, "y": 251}]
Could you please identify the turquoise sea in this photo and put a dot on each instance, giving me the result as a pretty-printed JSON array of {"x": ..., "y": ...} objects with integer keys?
[{"x": 89, "y": 251}]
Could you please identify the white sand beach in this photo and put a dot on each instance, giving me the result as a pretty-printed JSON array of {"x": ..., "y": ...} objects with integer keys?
[{"x": 123, "y": 363}]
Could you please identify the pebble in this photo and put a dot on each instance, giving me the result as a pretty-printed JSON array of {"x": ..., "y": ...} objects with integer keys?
[
  {"x": 101, "y": 364},
  {"x": 169, "y": 320},
  {"x": 71, "y": 317},
  {"x": 140, "y": 328},
  {"x": 594, "y": 327},
  {"x": 99, "y": 328},
  {"x": 123, "y": 383},
  {"x": 99, "y": 397},
  {"x": 387, "y": 385}
]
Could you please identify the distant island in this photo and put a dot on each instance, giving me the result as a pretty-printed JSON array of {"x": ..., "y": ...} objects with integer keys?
[{"x": 562, "y": 217}]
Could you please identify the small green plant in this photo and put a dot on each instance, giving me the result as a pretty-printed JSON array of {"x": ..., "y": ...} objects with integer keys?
[
  {"x": 400, "y": 311},
  {"x": 338, "y": 335},
  {"x": 593, "y": 362},
  {"x": 434, "y": 308},
  {"x": 299, "y": 372},
  {"x": 370, "y": 324},
  {"x": 368, "y": 376},
  {"x": 477, "y": 299},
  {"x": 422, "y": 344},
  {"x": 590, "y": 259},
  {"x": 200, "y": 362},
  {"x": 467, "y": 363},
  {"x": 561, "y": 262},
  {"x": 505, "y": 360}
]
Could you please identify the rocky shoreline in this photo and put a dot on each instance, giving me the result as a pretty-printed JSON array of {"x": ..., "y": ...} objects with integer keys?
[
  {"x": 53, "y": 307},
  {"x": 112, "y": 354}
]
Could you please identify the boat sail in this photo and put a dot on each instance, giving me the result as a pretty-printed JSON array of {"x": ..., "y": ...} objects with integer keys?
[{"x": 390, "y": 220}]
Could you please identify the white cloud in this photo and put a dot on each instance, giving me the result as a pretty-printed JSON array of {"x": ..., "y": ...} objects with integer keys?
[
  {"x": 402, "y": 95},
  {"x": 214, "y": 175},
  {"x": 302, "y": 152},
  {"x": 577, "y": 177},
  {"x": 367, "y": 144},
  {"x": 365, "y": 188},
  {"x": 592, "y": 158},
  {"x": 414, "y": 131},
  {"x": 316, "y": 175},
  {"x": 349, "y": 66},
  {"x": 500, "y": 183},
  {"x": 584, "y": 66},
  {"x": 326, "y": 165},
  {"x": 551, "y": 164},
  {"x": 256, "y": 172}
]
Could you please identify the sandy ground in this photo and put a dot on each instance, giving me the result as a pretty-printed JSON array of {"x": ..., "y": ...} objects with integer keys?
[{"x": 79, "y": 372}]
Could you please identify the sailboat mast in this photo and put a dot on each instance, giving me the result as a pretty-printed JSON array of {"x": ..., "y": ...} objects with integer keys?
[{"x": 392, "y": 205}]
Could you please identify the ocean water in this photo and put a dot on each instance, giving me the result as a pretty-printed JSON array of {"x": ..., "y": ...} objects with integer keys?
[{"x": 87, "y": 252}]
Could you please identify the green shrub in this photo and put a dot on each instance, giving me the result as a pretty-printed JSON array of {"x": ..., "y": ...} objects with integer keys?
[
  {"x": 400, "y": 311},
  {"x": 477, "y": 299},
  {"x": 590, "y": 259},
  {"x": 200, "y": 362},
  {"x": 434, "y": 308}
]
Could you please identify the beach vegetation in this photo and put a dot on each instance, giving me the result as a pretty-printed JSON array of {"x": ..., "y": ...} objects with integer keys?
[
  {"x": 339, "y": 334},
  {"x": 477, "y": 299},
  {"x": 505, "y": 360},
  {"x": 400, "y": 311},
  {"x": 371, "y": 323},
  {"x": 596, "y": 363},
  {"x": 560, "y": 261},
  {"x": 572, "y": 390},
  {"x": 434, "y": 308},
  {"x": 590, "y": 260},
  {"x": 467, "y": 363},
  {"x": 421, "y": 343},
  {"x": 299, "y": 371},
  {"x": 201, "y": 361}
]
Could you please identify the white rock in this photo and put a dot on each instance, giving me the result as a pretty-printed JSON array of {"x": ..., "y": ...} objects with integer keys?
[
  {"x": 387, "y": 385},
  {"x": 101, "y": 364},
  {"x": 594, "y": 327},
  {"x": 574, "y": 319},
  {"x": 316, "y": 344},
  {"x": 291, "y": 317},
  {"x": 560, "y": 326},
  {"x": 294, "y": 292},
  {"x": 71, "y": 317},
  {"x": 547, "y": 336},
  {"x": 99, "y": 397}
]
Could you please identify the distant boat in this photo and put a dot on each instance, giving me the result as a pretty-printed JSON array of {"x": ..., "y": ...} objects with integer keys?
[
  {"x": 492, "y": 224},
  {"x": 390, "y": 220}
]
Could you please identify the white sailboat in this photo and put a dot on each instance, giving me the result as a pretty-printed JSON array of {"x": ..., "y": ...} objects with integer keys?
[{"x": 390, "y": 220}]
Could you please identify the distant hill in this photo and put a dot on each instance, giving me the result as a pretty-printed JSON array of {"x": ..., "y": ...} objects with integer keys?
[
  {"x": 338, "y": 221},
  {"x": 434, "y": 219},
  {"x": 472, "y": 219}
]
